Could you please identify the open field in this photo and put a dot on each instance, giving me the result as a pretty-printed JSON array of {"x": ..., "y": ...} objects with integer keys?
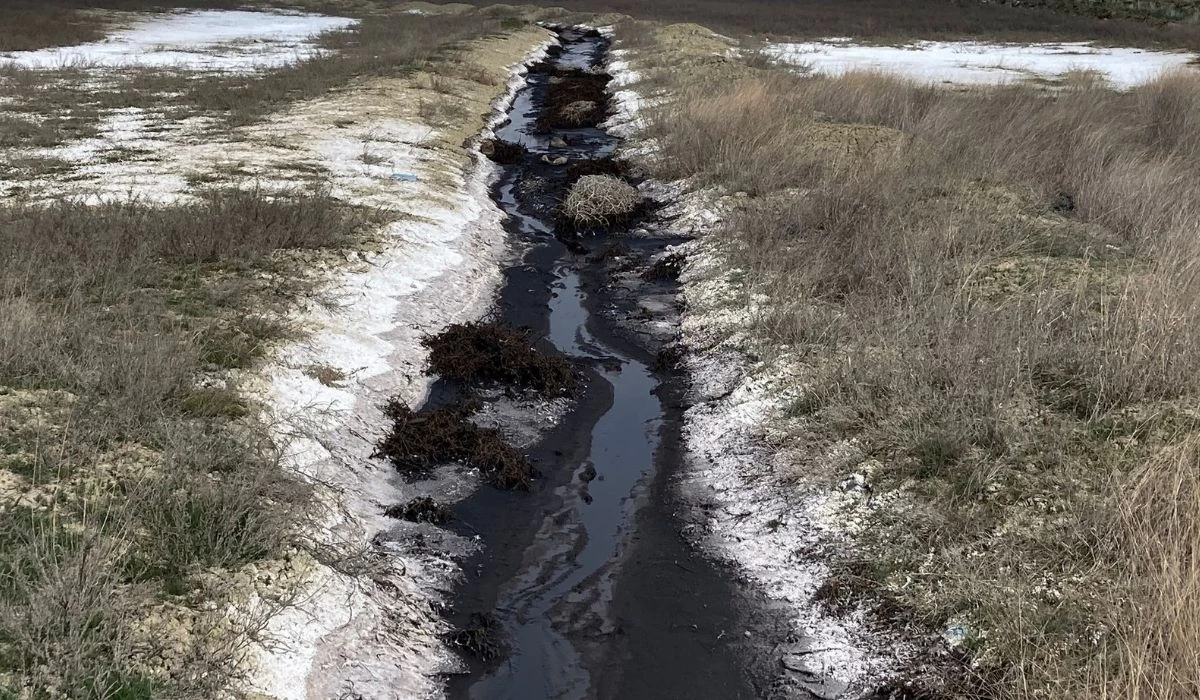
[
  {"x": 973, "y": 332},
  {"x": 165, "y": 230},
  {"x": 943, "y": 335},
  {"x": 887, "y": 21}
]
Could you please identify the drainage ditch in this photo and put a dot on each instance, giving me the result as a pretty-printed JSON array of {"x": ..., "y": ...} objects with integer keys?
[{"x": 583, "y": 586}]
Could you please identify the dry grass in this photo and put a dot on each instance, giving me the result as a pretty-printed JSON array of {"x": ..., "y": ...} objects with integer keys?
[
  {"x": 381, "y": 45},
  {"x": 1161, "y": 519},
  {"x": 1003, "y": 313},
  {"x": 32, "y": 24},
  {"x": 26, "y": 131},
  {"x": 1151, "y": 11},
  {"x": 125, "y": 479}
]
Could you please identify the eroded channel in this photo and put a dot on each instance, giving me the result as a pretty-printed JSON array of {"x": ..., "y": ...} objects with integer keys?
[{"x": 584, "y": 581}]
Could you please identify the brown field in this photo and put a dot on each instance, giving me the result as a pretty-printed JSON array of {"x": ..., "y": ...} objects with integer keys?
[{"x": 1003, "y": 313}]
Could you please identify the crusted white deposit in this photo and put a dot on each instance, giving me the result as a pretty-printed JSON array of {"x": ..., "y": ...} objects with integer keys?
[{"x": 227, "y": 40}]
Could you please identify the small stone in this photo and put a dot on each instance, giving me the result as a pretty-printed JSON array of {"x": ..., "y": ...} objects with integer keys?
[
  {"x": 826, "y": 688},
  {"x": 558, "y": 142},
  {"x": 797, "y": 663}
]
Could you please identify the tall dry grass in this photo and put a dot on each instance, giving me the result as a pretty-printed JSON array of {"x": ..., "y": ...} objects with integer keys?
[
  {"x": 125, "y": 475},
  {"x": 996, "y": 292},
  {"x": 1161, "y": 523}
]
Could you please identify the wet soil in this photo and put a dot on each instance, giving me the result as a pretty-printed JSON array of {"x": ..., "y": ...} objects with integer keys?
[
  {"x": 585, "y": 582},
  {"x": 594, "y": 591}
]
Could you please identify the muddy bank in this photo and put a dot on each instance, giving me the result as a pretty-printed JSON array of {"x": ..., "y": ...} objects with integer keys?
[
  {"x": 748, "y": 511},
  {"x": 370, "y": 624},
  {"x": 583, "y": 586}
]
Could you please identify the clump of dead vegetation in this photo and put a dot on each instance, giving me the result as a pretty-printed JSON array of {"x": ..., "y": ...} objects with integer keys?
[
  {"x": 666, "y": 268},
  {"x": 574, "y": 99},
  {"x": 421, "y": 510},
  {"x": 494, "y": 353},
  {"x": 601, "y": 201},
  {"x": 1015, "y": 375},
  {"x": 478, "y": 637},
  {"x": 419, "y": 442}
]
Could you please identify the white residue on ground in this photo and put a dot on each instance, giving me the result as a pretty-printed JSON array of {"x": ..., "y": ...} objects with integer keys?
[
  {"x": 978, "y": 63},
  {"x": 759, "y": 516},
  {"x": 756, "y": 514},
  {"x": 377, "y": 636},
  {"x": 231, "y": 40},
  {"x": 146, "y": 152},
  {"x": 135, "y": 152},
  {"x": 628, "y": 103}
]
